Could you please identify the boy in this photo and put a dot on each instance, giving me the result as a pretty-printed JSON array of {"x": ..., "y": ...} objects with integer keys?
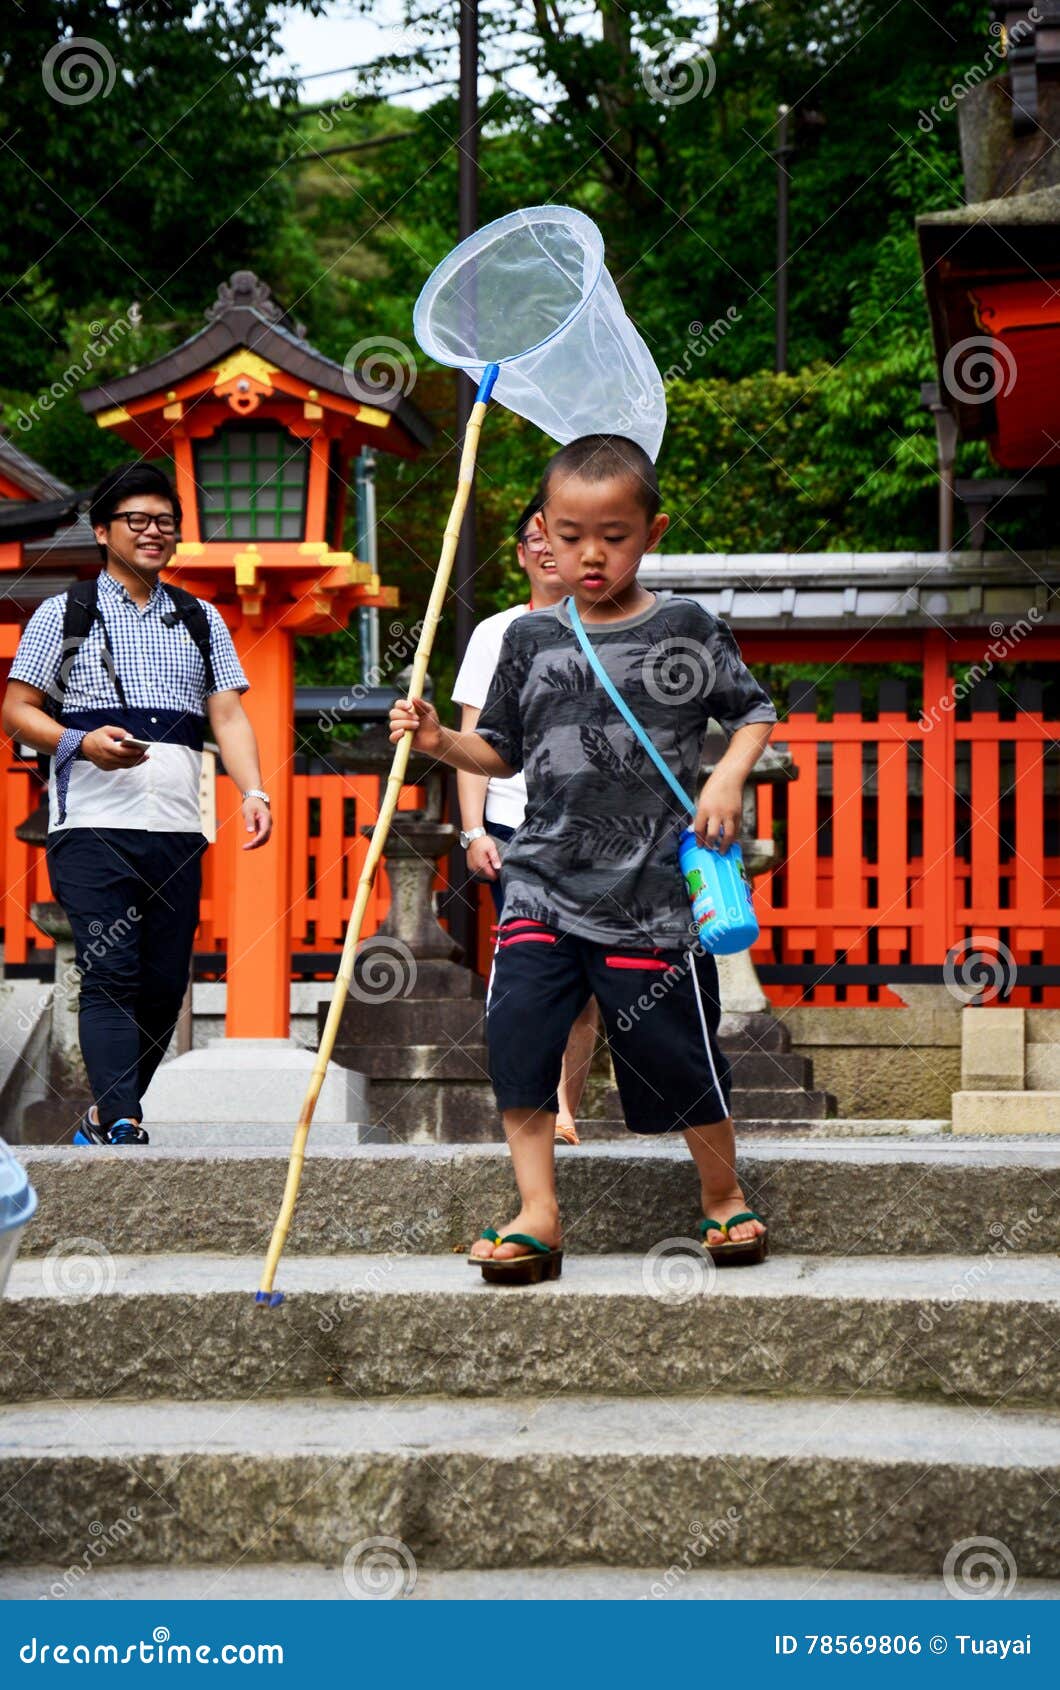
[
  {"x": 491, "y": 810},
  {"x": 593, "y": 898}
]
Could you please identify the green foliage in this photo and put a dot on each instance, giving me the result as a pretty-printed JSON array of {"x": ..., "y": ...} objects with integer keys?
[{"x": 188, "y": 169}]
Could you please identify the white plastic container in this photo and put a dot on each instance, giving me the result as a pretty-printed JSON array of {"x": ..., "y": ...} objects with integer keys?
[
  {"x": 18, "y": 1200},
  {"x": 530, "y": 292}
]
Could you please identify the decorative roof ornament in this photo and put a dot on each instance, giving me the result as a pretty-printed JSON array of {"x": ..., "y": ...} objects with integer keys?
[{"x": 244, "y": 291}]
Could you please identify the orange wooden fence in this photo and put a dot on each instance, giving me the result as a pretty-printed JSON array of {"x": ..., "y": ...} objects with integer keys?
[
  {"x": 914, "y": 842},
  {"x": 904, "y": 837}
]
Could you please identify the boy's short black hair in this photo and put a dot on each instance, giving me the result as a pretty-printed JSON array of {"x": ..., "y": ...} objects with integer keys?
[
  {"x": 527, "y": 517},
  {"x": 124, "y": 483},
  {"x": 606, "y": 457}
]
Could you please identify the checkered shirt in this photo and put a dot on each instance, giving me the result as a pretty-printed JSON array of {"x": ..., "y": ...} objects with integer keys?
[{"x": 160, "y": 667}]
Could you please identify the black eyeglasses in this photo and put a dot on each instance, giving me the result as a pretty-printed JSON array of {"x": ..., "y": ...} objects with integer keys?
[{"x": 140, "y": 521}]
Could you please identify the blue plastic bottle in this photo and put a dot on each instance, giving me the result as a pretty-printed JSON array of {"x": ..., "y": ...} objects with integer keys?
[{"x": 720, "y": 894}]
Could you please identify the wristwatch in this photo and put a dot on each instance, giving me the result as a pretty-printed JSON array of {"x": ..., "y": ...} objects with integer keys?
[
  {"x": 256, "y": 792},
  {"x": 472, "y": 833}
]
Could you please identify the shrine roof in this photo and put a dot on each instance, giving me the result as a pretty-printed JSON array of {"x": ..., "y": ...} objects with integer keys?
[
  {"x": 36, "y": 481},
  {"x": 1003, "y": 233},
  {"x": 245, "y": 315},
  {"x": 772, "y": 591}
]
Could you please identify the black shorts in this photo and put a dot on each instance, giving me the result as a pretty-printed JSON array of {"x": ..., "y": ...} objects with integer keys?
[{"x": 660, "y": 1011}]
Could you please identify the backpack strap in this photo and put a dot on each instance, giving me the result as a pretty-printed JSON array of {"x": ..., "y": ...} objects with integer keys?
[
  {"x": 82, "y": 610},
  {"x": 623, "y": 708},
  {"x": 192, "y": 613}
]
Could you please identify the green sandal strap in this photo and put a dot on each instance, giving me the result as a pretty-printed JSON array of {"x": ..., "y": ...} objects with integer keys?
[
  {"x": 490, "y": 1235},
  {"x": 710, "y": 1225},
  {"x": 747, "y": 1215},
  {"x": 527, "y": 1238}
]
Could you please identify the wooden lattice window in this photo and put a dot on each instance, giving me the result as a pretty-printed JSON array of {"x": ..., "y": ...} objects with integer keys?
[{"x": 252, "y": 483}]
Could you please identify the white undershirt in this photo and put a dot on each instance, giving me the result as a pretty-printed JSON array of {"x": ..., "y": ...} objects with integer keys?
[{"x": 505, "y": 799}]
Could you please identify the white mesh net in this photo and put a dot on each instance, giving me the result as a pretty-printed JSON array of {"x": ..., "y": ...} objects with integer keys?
[{"x": 531, "y": 293}]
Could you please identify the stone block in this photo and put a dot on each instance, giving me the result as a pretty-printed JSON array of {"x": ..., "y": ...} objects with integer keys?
[
  {"x": 992, "y": 1049},
  {"x": 1043, "y": 1067},
  {"x": 250, "y": 1079},
  {"x": 874, "y": 1081},
  {"x": 1006, "y": 1112}
]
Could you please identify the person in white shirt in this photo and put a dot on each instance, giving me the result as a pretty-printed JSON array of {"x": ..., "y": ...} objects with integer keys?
[{"x": 491, "y": 810}]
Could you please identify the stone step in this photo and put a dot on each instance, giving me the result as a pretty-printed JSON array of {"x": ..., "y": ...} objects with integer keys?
[
  {"x": 407, "y": 1021},
  {"x": 822, "y": 1197},
  {"x": 464, "y": 1111},
  {"x": 775, "y": 1103},
  {"x": 610, "y": 1129},
  {"x": 375, "y": 1325},
  {"x": 773, "y": 1069},
  {"x": 469, "y": 1060},
  {"x": 685, "y": 1580},
  {"x": 855, "y": 1484}
]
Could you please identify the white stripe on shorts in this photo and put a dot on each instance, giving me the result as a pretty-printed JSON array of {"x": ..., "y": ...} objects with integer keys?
[{"x": 706, "y": 1037}]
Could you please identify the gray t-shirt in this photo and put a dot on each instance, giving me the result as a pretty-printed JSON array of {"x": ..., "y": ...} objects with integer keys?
[{"x": 597, "y": 852}]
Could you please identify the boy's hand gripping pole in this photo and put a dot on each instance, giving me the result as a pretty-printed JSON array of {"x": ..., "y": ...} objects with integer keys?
[{"x": 395, "y": 781}]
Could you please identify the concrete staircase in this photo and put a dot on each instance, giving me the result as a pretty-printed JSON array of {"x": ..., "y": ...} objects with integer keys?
[{"x": 837, "y": 1422}]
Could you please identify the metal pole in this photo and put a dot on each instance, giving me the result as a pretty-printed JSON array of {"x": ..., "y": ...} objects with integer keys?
[
  {"x": 783, "y": 153},
  {"x": 946, "y": 440},
  {"x": 460, "y": 907},
  {"x": 467, "y": 218}
]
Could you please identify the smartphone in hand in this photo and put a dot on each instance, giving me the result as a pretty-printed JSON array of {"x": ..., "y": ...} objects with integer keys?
[{"x": 137, "y": 744}]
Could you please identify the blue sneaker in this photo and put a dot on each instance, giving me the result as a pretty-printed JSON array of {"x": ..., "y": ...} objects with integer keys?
[
  {"x": 89, "y": 1131},
  {"x": 119, "y": 1132},
  {"x": 126, "y": 1132}
]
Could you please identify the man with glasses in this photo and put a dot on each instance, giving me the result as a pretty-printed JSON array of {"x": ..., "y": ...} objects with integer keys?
[
  {"x": 491, "y": 810},
  {"x": 116, "y": 683}
]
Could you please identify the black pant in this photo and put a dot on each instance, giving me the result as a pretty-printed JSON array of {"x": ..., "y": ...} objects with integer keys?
[
  {"x": 132, "y": 900},
  {"x": 660, "y": 1010}
]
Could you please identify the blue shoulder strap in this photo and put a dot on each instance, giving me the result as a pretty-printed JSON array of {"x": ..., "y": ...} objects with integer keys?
[{"x": 622, "y": 707}]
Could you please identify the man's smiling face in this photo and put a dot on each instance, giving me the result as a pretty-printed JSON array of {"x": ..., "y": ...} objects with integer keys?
[{"x": 146, "y": 553}]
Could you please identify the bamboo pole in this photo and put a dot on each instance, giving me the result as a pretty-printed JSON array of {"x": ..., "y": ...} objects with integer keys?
[{"x": 395, "y": 781}]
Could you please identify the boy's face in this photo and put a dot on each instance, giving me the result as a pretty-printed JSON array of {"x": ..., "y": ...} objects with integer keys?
[
  {"x": 148, "y": 552},
  {"x": 535, "y": 556},
  {"x": 599, "y": 531}
]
